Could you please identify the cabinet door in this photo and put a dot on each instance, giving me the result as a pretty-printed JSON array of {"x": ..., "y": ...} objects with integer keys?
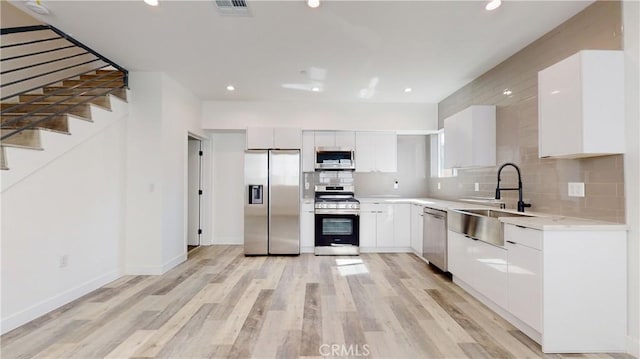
[
  {"x": 491, "y": 272},
  {"x": 345, "y": 139},
  {"x": 386, "y": 152},
  {"x": 560, "y": 108},
  {"x": 525, "y": 284},
  {"x": 460, "y": 257},
  {"x": 402, "y": 225},
  {"x": 287, "y": 138},
  {"x": 308, "y": 151},
  {"x": 325, "y": 138},
  {"x": 365, "y": 155},
  {"x": 259, "y": 138},
  {"x": 307, "y": 226},
  {"x": 416, "y": 228},
  {"x": 368, "y": 219},
  {"x": 457, "y": 142},
  {"x": 384, "y": 226}
]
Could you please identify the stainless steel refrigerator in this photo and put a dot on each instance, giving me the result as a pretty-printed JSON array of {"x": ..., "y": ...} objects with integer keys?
[{"x": 272, "y": 202}]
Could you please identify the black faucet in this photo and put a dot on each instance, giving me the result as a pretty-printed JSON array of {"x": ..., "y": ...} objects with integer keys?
[{"x": 521, "y": 204}]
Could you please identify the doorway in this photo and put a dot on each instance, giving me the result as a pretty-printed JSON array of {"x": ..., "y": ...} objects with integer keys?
[{"x": 194, "y": 193}]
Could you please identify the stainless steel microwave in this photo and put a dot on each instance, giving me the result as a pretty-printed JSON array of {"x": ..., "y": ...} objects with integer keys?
[{"x": 335, "y": 158}]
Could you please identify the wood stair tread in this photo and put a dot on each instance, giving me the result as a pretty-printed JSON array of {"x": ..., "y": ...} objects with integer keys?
[{"x": 58, "y": 123}]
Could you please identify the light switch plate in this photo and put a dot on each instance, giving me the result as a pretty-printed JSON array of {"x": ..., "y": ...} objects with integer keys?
[
  {"x": 576, "y": 189},
  {"x": 439, "y": 185},
  {"x": 477, "y": 186}
]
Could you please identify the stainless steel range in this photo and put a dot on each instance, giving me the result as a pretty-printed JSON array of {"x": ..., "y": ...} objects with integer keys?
[{"x": 337, "y": 220}]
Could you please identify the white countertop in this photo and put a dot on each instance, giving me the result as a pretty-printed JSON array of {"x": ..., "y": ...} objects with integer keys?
[
  {"x": 560, "y": 223},
  {"x": 536, "y": 220}
]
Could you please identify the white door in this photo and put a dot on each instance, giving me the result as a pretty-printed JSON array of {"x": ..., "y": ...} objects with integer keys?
[{"x": 193, "y": 191}]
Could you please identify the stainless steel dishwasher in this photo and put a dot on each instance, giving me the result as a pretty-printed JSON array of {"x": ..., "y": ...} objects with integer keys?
[{"x": 434, "y": 237}]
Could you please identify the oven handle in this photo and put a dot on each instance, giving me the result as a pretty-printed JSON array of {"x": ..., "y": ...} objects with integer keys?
[{"x": 354, "y": 212}]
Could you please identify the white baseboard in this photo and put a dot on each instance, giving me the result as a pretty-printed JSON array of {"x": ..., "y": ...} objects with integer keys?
[
  {"x": 15, "y": 320},
  {"x": 307, "y": 249},
  {"x": 143, "y": 270},
  {"x": 385, "y": 250},
  {"x": 633, "y": 346},
  {"x": 228, "y": 240},
  {"x": 174, "y": 262}
]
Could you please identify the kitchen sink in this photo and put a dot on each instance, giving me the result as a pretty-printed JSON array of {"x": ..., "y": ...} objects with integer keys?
[
  {"x": 480, "y": 224},
  {"x": 493, "y": 213}
]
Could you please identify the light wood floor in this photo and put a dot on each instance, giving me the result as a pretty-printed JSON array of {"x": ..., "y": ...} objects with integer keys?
[{"x": 221, "y": 304}]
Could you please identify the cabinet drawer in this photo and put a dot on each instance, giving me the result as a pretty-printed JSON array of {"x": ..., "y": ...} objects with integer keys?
[{"x": 526, "y": 236}]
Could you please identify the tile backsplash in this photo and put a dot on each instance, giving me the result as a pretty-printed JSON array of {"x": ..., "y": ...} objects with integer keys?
[{"x": 545, "y": 180}]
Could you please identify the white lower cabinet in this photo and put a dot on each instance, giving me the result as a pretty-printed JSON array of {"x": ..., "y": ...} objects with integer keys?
[
  {"x": 368, "y": 225},
  {"x": 480, "y": 265},
  {"x": 490, "y": 272},
  {"x": 402, "y": 225},
  {"x": 525, "y": 283},
  {"x": 461, "y": 257},
  {"x": 551, "y": 284},
  {"x": 416, "y": 228},
  {"x": 307, "y": 226},
  {"x": 385, "y": 226}
]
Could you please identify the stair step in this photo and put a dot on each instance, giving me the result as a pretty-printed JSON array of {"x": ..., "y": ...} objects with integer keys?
[
  {"x": 103, "y": 76},
  {"x": 102, "y": 101},
  {"x": 29, "y": 139},
  {"x": 94, "y": 83},
  {"x": 58, "y": 123},
  {"x": 82, "y": 110},
  {"x": 121, "y": 93}
]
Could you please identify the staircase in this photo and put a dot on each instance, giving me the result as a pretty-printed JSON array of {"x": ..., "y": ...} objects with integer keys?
[
  {"x": 52, "y": 108},
  {"x": 71, "y": 81}
]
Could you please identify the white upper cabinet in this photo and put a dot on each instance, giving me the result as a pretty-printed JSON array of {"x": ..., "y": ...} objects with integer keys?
[
  {"x": 345, "y": 139},
  {"x": 470, "y": 138},
  {"x": 335, "y": 139},
  {"x": 267, "y": 137},
  {"x": 376, "y": 152},
  {"x": 325, "y": 138},
  {"x": 581, "y": 105}
]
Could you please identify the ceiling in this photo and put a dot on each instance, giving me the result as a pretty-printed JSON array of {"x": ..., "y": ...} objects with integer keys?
[{"x": 352, "y": 51}]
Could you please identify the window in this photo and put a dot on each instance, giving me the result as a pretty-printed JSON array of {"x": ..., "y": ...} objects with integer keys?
[{"x": 437, "y": 157}]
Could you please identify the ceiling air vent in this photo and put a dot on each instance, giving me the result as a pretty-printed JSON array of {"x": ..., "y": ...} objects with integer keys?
[{"x": 233, "y": 7}]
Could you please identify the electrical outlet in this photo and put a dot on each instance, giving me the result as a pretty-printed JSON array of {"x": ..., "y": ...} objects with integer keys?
[
  {"x": 477, "y": 186},
  {"x": 576, "y": 189},
  {"x": 63, "y": 261},
  {"x": 439, "y": 186},
  {"x": 395, "y": 184}
]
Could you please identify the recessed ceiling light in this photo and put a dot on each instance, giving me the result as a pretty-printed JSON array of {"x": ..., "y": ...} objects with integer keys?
[
  {"x": 151, "y": 2},
  {"x": 315, "y": 89},
  {"x": 493, "y": 4},
  {"x": 313, "y": 3},
  {"x": 408, "y": 89},
  {"x": 231, "y": 88},
  {"x": 36, "y": 7}
]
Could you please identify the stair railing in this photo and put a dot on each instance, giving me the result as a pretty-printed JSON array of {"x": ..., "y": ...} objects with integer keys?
[{"x": 51, "y": 63}]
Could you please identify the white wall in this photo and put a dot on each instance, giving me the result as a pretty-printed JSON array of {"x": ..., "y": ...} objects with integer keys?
[
  {"x": 404, "y": 117},
  {"x": 143, "y": 252},
  {"x": 631, "y": 21},
  {"x": 163, "y": 115},
  {"x": 228, "y": 187},
  {"x": 72, "y": 206},
  {"x": 180, "y": 116}
]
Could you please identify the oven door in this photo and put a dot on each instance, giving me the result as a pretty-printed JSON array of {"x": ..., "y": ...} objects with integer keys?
[{"x": 336, "y": 228}]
